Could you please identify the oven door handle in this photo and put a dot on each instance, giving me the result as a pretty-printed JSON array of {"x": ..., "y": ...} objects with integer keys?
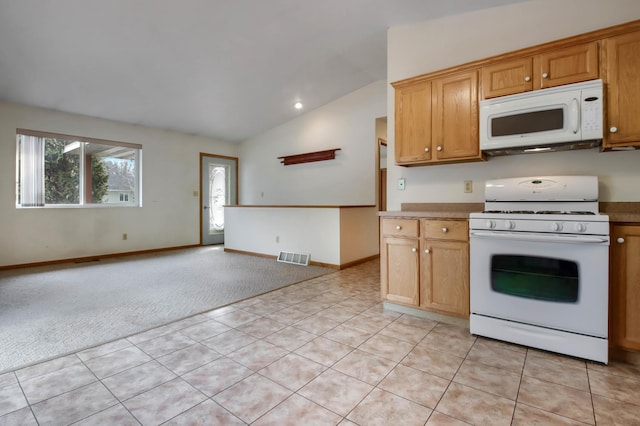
[{"x": 571, "y": 239}]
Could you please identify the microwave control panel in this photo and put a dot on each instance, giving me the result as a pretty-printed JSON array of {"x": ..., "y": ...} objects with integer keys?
[{"x": 591, "y": 114}]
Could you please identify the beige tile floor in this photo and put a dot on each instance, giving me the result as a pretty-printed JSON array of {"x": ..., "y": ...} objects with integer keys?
[{"x": 319, "y": 352}]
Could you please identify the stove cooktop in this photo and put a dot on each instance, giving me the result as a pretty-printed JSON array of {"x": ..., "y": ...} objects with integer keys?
[{"x": 584, "y": 213}]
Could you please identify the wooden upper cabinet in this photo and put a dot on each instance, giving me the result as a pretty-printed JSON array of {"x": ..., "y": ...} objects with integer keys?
[
  {"x": 547, "y": 69},
  {"x": 507, "y": 78},
  {"x": 621, "y": 74},
  {"x": 455, "y": 117},
  {"x": 436, "y": 120},
  {"x": 569, "y": 65},
  {"x": 413, "y": 123}
]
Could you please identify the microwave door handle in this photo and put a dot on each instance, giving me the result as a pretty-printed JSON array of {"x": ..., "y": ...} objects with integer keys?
[{"x": 575, "y": 115}]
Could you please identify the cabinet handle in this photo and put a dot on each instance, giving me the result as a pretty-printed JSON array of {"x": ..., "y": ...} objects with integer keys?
[
  {"x": 439, "y": 148},
  {"x": 613, "y": 129},
  {"x": 527, "y": 78},
  {"x": 445, "y": 230},
  {"x": 620, "y": 240},
  {"x": 427, "y": 251},
  {"x": 545, "y": 75},
  {"x": 398, "y": 227},
  {"x": 413, "y": 250},
  {"x": 426, "y": 149}
]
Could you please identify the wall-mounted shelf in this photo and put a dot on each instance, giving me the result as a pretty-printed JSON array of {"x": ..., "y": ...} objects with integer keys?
[{"x": 309, "y": 157}]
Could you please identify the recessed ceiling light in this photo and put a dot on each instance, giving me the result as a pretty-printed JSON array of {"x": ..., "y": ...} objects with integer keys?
[{"x": 297, "y": 105}]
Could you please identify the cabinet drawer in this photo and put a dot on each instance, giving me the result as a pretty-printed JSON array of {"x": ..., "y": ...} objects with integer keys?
[
  {"x": 446, "y": 229},
  {"x": 401, "y": 227}
]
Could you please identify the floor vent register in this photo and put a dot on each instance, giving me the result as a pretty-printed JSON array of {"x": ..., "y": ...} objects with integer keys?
[{"x": 294, "y": 258}]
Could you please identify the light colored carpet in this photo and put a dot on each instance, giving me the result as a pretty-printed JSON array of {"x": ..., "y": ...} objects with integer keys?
[{"x": 55, "y": 310}]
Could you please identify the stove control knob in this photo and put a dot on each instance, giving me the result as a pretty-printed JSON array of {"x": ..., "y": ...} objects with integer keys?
[
  {"x": 580, "y": 227},
  {"x": 490, "y": 224},
  {"x": 509, "y": 224},
  {"x": 555, "y": 226}
]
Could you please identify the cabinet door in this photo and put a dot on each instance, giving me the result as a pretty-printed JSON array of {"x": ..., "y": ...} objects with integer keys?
[
  {"x": 444, "y": 284},
  {"x": 565, "y": 66},
  {"x": 399, "y": 270},
  {"x": 413, "y": 123},
  {"x": 455, "y": 116},
  {"x": 624, "y": 297},
  {"x": 622, "y": 63},
  {"x": 507, "y": 78}
]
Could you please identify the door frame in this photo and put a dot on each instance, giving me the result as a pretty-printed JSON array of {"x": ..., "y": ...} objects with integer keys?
[{"x": 202, "y": 155}]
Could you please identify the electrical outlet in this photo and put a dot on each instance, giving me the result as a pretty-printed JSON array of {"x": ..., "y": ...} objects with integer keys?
[
  {"x": 277, "y": 238},
  {"x": 124, "y": 236},
  {"x": 468, "y": 186},
  {"x": 401, "y": 184}
]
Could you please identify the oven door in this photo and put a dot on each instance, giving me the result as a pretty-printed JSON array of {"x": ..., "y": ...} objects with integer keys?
[{"x": 549, "y": 280}]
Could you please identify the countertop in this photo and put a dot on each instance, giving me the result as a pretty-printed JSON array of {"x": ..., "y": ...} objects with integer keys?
[
  {"x": 618, "y": 212},
  {"x": 435, "y": 210}
]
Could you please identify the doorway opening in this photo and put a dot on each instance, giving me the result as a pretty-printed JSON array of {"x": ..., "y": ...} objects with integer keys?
[{"x": 381, "y": 163}]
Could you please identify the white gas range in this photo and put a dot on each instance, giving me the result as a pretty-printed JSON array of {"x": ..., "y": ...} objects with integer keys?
[{"x": 540, "y": 265}]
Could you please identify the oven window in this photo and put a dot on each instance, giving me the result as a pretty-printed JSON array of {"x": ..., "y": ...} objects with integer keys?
[
  {"x": 534, "y": 277},
  {"x": 528, "y": 122}
]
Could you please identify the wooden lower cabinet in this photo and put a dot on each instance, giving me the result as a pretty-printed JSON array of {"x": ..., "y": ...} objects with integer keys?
[
  {"x": 444, "y": 284},
  {"x": 429, "y": 270},
  {"x": 444, "y": 274},
  {"x": 399, "y": 260},
  {"x": 400, "y": 270},
  {"x": 624, "y": 293}
]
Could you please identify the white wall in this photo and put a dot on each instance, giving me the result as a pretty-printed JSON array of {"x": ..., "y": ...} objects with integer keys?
[
  {"x": 432, "y": 45},
  {"x": 331, "y": 235},
  {"x": 347, "y": 123},
  {"x": 169, "y": 216},
  {"x": 314, "y": 231},
  {"x": 358, "y": 234}
]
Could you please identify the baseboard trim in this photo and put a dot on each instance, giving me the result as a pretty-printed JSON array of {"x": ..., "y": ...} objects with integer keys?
[
  {"x": 314, "y": 263},
  {"x": 359, "y": 261},
  {"x": 95, "y": 257}
]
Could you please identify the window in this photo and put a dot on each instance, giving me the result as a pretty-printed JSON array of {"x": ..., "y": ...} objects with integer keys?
[{"x": 63, "y": 170}]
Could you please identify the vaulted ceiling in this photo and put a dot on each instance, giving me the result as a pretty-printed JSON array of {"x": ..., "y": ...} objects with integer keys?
[{"x": 227, "y": 69}]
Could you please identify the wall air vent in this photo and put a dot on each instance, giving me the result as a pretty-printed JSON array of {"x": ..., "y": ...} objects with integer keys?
[{"x": 294, "y": 258}]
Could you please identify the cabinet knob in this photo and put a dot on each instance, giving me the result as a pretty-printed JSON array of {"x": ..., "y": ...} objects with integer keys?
[
  {"x": 426, "y": 149},
  {"x": 398, "y": 227},
  {"x": 545, "y": 75},
  {"x": 439, "y": 148},
  {"x": 527, "y": 78},
  {"x": 445, "y": 230},
  {"x": 620, "y": 240},
  {"x": 413, "y": 250},
  {"x": 613, "y": 129},
  {"x": 427, "y": 251}
]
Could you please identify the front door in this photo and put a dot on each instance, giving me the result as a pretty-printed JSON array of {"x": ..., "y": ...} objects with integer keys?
[{"x": 219, "y": 188}]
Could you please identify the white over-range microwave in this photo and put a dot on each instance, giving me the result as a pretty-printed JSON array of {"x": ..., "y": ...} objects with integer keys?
[{"x": 559, "y": 118}]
